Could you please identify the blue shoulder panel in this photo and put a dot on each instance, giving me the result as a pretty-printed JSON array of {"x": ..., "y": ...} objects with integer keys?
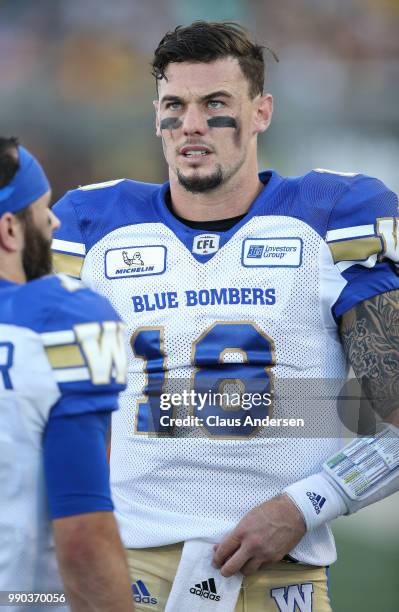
[
  {"x": 365, "y": 199},
  {"x": 46, "y": 305},
  {"x": 55, "y": 307},
  {"x": 70, "y": 226},
  {"x": 89, "y": 213},
  {"x": 298, "y": 197},
  {"x": 327, "y": 200}
]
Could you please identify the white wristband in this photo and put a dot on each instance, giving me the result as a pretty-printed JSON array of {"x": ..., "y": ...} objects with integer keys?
[
  {"x": 363, "y": 472},
  {"x": 317, "y": 499}
]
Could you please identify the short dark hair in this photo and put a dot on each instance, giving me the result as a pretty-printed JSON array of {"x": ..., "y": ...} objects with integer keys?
[
  {"x": 205, "y": 41},
  {"x": 9, "y": 163}
]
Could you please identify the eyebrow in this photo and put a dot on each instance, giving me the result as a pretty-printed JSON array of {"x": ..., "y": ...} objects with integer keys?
[{"x": 221, "y": 93}]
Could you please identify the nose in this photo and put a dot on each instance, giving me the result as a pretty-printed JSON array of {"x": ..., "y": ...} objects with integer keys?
[
  {"x": 54, "y": 221},
  {"x": 194, "y": 121}
]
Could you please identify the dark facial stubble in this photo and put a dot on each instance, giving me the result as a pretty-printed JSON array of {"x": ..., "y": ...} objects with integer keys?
[
  {"x": 36, "y": 255},
  {"x": 201, "y": 184}
]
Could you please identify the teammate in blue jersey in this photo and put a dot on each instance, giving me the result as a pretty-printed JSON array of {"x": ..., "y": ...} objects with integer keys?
[
  {"x": 242, "y": 284},
  {"x": 62, "y": 365}
]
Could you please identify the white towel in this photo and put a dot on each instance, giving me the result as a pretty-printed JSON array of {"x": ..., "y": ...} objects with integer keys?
[{"x": 198, "y": 586}]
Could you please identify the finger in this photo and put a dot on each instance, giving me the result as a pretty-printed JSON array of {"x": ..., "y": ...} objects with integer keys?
[
  {"x": 236, "y": 562},
  {"x": 250, "y": 567},
  {"x": 225, "y": 549}
]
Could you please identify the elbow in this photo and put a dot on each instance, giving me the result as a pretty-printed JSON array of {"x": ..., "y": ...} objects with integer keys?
[
  {"x": 82, "y": 540},
  {"x": 78, "y": 551}
]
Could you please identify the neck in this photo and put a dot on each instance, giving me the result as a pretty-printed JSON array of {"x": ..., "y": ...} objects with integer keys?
[
  {"x": 229, "y": 200},
  {"x": 11, "y": 272}
]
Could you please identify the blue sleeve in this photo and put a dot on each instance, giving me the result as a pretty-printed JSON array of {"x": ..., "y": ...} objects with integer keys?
[
  {"x": 363, "y": 237},
  {"x": 75, "y": 464},
  {"x": 85, "y": 400},
  {"x": 69, "y": 248}
]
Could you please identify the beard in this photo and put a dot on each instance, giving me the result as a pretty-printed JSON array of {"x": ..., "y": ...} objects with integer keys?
[
  {"x": 36, "y": 256},
  {"x": 201, "y": 184}
]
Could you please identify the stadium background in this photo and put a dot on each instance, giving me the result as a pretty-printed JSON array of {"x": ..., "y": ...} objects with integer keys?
[{"x": 75, "y": 86}]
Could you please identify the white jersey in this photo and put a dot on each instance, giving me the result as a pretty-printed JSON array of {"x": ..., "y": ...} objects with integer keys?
[
  {"x": 43, "y": 366},
  {"x": 252, "y": 309}
]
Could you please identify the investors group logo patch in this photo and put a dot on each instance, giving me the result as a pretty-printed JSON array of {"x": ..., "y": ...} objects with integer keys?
[{"x": 272, "y": 253}]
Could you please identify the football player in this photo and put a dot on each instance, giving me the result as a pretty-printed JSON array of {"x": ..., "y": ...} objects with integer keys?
[
  {"x": 232, "y": 279},
  {"x": 62, "y": 364}
]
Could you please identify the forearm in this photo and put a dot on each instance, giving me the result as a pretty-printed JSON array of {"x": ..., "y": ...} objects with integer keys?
[
  {"x": 93, "y": 569},
  {"x": 366, "y": 470},
  {"x": 370, "y": 337}
]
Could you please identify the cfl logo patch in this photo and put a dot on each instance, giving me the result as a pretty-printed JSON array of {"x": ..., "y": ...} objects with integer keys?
[{"x": 204, "y": 244}]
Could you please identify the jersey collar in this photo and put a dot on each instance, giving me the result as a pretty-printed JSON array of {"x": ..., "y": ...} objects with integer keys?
[{"x": 186, "y": 234}]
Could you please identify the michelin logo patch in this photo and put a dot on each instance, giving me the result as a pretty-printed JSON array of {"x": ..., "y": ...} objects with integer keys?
[
  {"x": 272, "y": 253},
  {"x": 135, "y": 261}
]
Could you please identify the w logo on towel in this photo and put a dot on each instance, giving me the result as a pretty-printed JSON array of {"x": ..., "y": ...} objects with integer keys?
[
  {"x": 141, "y": 594},
  {"x": 206, "y": 589}
]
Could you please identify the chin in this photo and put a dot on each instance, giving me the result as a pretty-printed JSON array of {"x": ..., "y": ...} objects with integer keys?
[{"x": 200, "y": 182}]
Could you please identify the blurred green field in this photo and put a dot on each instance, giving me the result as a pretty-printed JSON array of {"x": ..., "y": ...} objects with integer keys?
[{"x": 366, "y": 575}]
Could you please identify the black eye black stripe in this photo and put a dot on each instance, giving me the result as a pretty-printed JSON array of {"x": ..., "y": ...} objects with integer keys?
[
  {"x": 222, "y": 122},
  {"x": 173, "y": 123},
  {"x": 170, "y": 123}
]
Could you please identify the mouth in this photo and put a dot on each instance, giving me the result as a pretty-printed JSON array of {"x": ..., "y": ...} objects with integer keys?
[{"x": 194, "y": 151}]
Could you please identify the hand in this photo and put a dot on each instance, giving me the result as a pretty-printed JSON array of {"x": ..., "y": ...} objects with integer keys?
[{"x": 264, "y": 535}]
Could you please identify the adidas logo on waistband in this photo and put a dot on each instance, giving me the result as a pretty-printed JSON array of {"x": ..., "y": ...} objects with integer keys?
[
  {"x": 206, "y": 589},
  {"x": 317, "y": 501},
  {"x": 142, "y": 595}
]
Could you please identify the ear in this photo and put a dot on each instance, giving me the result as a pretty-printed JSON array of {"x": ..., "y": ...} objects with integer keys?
[
  {"x": 157, "y": 119},
  {"x": 11, "y": 234},
  {"x": 263, "y": 112}
]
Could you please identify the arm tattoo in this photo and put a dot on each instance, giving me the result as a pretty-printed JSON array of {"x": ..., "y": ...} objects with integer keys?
[{"x": 370, "y": 336}]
